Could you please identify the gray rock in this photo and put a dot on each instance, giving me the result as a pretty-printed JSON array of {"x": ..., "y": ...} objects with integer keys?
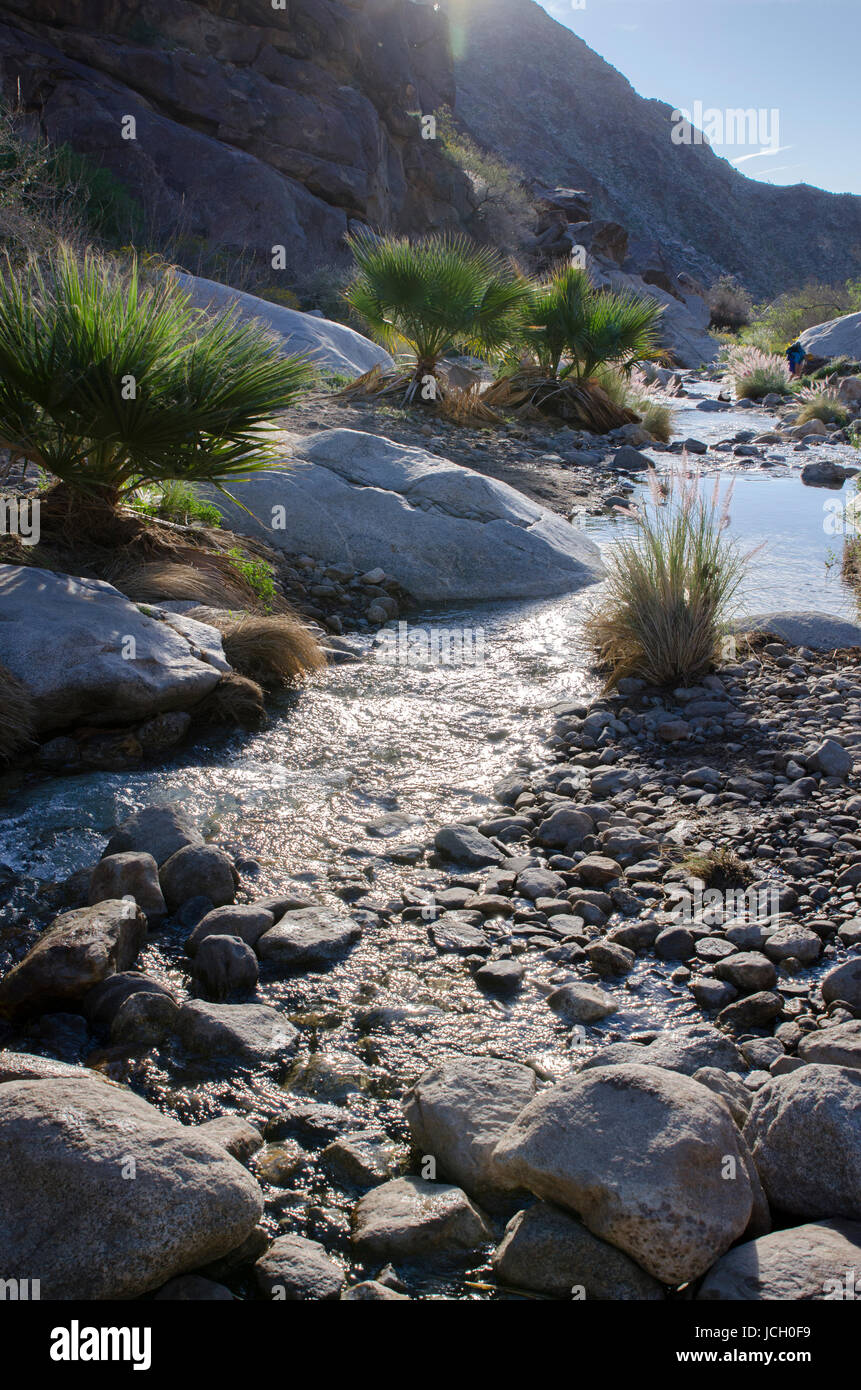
[
  {"x": 566, "y": 827},
  {"x": 466, "y": 845},
  {"x": 837, "y": 1045},
  {"x": 225, "y": 965},
  {"x": 237, "y": 1135},
  {"x": 638, "y": 1153},
  {"x": 156, "y": 830},
  {"x": 144, "y": 1019},
  {"x": 754, "y": 1011},
  {"x": 332, "y": 347},
  {"x": 459, "y": 1109},
  {"x": 545, "y": 1251},
  {"x": 445, "y": 532},
  {"x": 372, "y": 1291},
  {"x": 502, "y": 977},
  {"x": 540, "y": 883},
  {"x": 25, "y": 1066},
  {"x": 69, "y": 641},
  {"x": 133, "y": 875},
  {"x": 831, "y": 759},
  {"x": 76, "y": 952},
  {"x": 748, "y": 971},
  {"x": 294, "y": 1269},
  {"x": 839, "y": 337},
  {"x": 409, "y": 1217},
  {"x": 822, "y": 632},
  {"x": 248, "y": 923},
  {"x": 138, "y": 1198},
  {"x": 804, "y": 1131},
  {"x": 454, "y": 933},
  {"x": 253, "y": 1032},
  {"x": 844, "y": 983},
  {"x": 101, "y": 1004},
  {"x": 631, "y": 460},
  {"x": 730, "y": 1089},
  {"x": 581, "y": 1003},
  {"x": 309, "y": 939},
  {"x": 793, "y": 941},
  {"x": 198, "y": 871},
  {"x": 797, "y": 1265},
  {"x": 678, "y": 1049}
]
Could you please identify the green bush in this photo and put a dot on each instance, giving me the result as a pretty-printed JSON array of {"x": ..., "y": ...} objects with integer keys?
[
  {"x": 177, "y": 501},
  {"x": 731, "y": 305},
  {"x": 110, "y": 386},
  {"x": 434, "y": 295},
  {"x": 573, "y": 329},
  {"x": 779, "y": 323},
  {"x": 257, "y": 573},
  {"x": 821, "y": 403}
]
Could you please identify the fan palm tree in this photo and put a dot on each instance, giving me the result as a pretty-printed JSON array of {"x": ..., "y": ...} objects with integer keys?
[
  {"x": 433, "y": 295},
  {"x": 109, "y": 385},
  {"x": 571, "y": 329}
]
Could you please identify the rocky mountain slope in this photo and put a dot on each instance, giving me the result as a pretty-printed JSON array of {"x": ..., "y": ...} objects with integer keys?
[
  {"x": 531, "y": 89},
  {"x": 257, "y": 127}
]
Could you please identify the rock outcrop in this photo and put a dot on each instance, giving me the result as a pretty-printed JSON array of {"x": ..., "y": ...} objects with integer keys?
[
  {"x": 530, "y": 89},
  {"x": 442, "y": 531},
  {"x": 93, "y": 654},
  {"x": 838, "y": 338},
  {"x": 254, "y": 126},
  {"x": 105, "y": 1198},
  {"x": 258, "y": 127},
  {"x": 332, "y": 347}
]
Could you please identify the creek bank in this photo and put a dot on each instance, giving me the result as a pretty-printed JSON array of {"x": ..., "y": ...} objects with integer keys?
[{"x": 587, "y": 881}]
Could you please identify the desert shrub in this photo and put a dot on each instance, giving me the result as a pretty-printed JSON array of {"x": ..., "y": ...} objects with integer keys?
[
  {"x": 822, "y": 403},
  {"x": 504, "y": 215},
  {"x": 730, "y": 303},
  {"x": 754, "y": 374},
  {"x": 235, "y": 701},
  {"x": 257, "y": 573},
  {"x": 654, "y": 413},
  {"x": 176, "y": 501},
  {"x": 669, "y": 588}
]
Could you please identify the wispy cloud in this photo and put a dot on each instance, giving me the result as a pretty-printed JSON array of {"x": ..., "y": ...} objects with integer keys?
[{"x": 760, "y": 154}]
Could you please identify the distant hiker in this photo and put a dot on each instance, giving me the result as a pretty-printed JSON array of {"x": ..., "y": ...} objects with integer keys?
[{"x": 795, "y": 356}]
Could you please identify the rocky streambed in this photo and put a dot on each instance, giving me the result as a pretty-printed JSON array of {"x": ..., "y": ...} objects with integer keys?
[{"x": 386, "y": 957}]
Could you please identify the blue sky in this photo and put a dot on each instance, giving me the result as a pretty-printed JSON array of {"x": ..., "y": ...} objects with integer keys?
[{"x": 798, "y": 56}]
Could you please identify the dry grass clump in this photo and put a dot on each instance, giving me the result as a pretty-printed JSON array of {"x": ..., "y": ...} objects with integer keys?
[
  {"x": 236, "y": 700},
  {"x": 822, "y": 403},
  {"x": 17, "y": 716},
  {"x": 719, "y": 868},
  {"x": 273, "y": 651},
  {"x": 532, "y": 393},
  {"x": 150, "y": 581},
  {"x": 668, "y": 589},
  {"x": 754, "y": 374}
]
